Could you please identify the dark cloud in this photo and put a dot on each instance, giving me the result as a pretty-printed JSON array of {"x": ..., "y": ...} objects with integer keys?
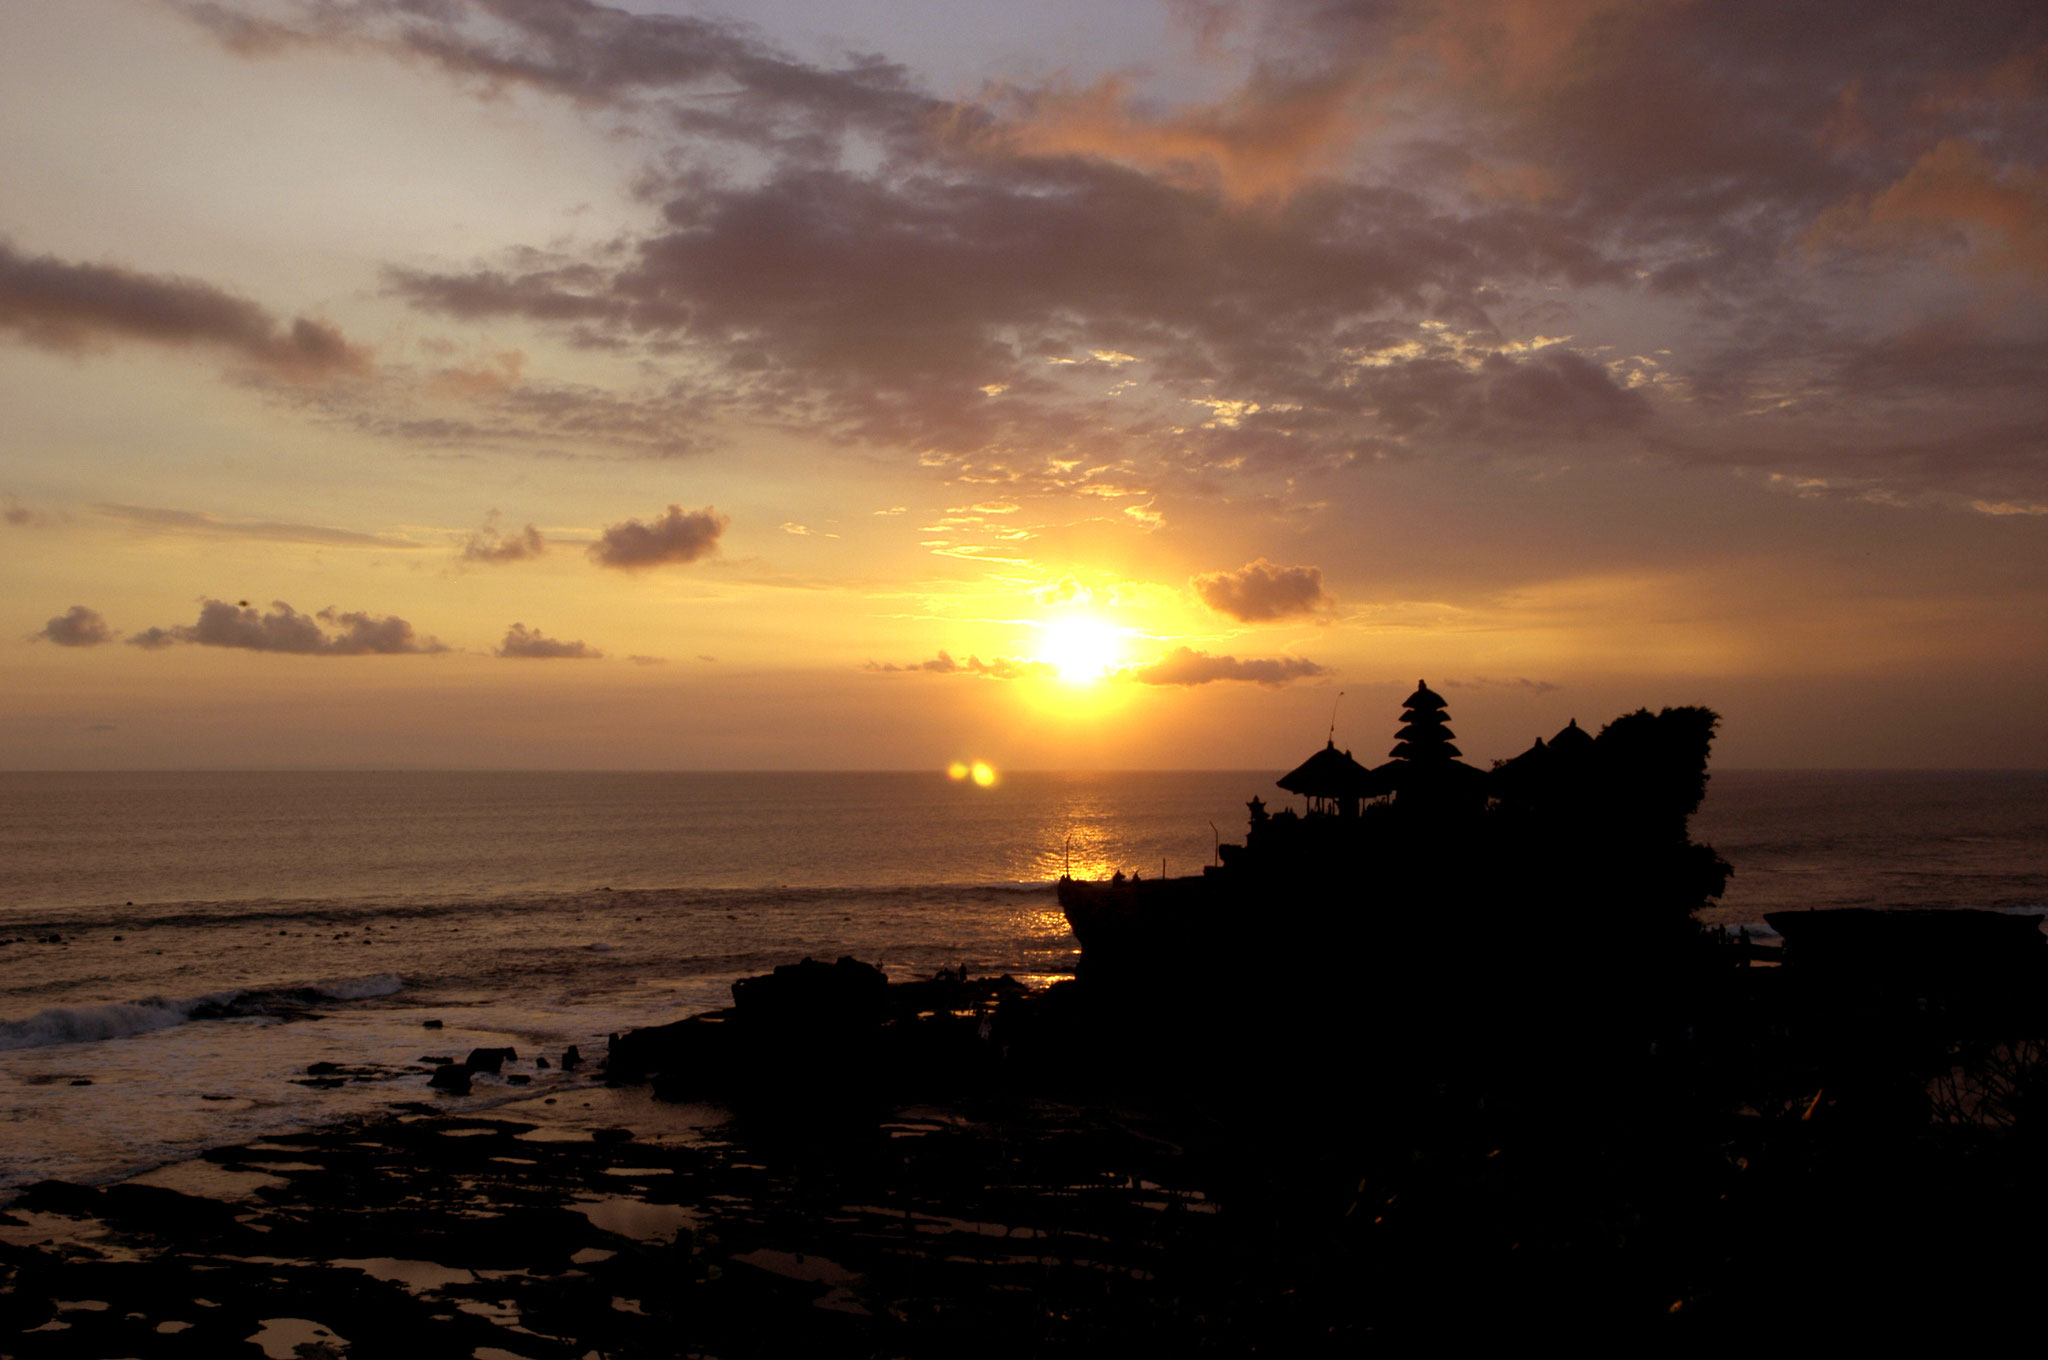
[
  {"x": 533, "y": 416},
  {"x": 1346, "y": 258},
  {"x": 54, "y": 304},
  {"x": 284, "y": 629},
  {"x": 1260, "y": 591},
  {"x": 698, "y": 75},
  {"x": 273, "y": 531},
  {"x": 493, "y": 547},
  {"x": 522, "y": 641},
  {"x": 676, "y": 536},
  {"x": 76, "y": 627},
  {"x": 1186, "y": 666}
]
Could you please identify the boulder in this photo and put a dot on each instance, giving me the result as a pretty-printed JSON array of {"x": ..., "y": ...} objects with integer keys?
[
  {"x": 489, "y": 1059},
  {"x": 572, "y": 1058},
  {"x": 453, "y": 1078},
  {"x": 810, "y": 993}
]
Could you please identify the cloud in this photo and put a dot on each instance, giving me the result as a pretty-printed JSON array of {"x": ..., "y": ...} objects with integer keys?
[
  {"x": 13, "y": 511},
  {"x": 717, "y": 77},
  {"x": 676, "y": 536},
  {"x": 999, "y": 668},
  {"x": 1259, "y": 591},
  {"x": 521, "y": 641},
  {"x": 1519, "y": 682},
  {"x": 1955, "y": 194},
  {"x": 1011, "y": 668},
  {"x": 942, "y": 664},
  {"x": 271, "y": 531},
  {"x": 1186, "y": 666},
  {"x": 1265, "y": 140},
  {"x": 1345, "y": 250},
  {"x": 76, "y": 627},
  {"x": 284, "y": 629},
  {"x": 1066, "y": 590},
  {"x": 492, "y": 547},
  {"x": 57, "y": 305}
]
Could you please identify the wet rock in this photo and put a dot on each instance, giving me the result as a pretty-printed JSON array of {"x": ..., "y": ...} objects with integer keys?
[
  {"x": 82, "y": 1081},
  {"x": 541, "y": 1062},
  {"x": 453, "y": 1078},
  {"x": 572, "y": 1058},
  {"x": 489, "y": 1059},
  {"x": 848, "y": 992},
  {"x": 322, "y": 1069},
  {"x": 430, "y": 1024}
]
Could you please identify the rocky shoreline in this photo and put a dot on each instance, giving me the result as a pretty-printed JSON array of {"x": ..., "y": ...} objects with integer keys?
[{"x": 840, "y": 1166}]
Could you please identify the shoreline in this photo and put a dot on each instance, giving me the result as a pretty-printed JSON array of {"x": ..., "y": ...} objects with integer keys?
[
  {"x": 842, "y": 1166},
  {"x": 604, "y": 1219}
]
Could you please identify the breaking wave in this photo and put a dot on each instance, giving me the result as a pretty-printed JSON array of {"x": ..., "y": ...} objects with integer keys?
[{"x": 120, "y": 1019}]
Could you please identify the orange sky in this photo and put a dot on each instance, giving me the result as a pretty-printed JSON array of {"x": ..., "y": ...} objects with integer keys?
[{"x": 884, "y": 385}]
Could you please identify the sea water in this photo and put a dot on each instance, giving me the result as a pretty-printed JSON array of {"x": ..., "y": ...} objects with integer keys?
[{"x": 181, "y": 947}]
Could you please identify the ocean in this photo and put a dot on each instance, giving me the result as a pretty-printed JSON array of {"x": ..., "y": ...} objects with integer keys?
[{"x": 176, "y": 949}]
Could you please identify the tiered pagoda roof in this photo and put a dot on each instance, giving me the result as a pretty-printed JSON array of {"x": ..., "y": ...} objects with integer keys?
[{"x": 1425, "y": 733}]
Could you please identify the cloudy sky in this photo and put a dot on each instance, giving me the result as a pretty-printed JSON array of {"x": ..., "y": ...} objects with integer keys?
[{"x": 883, "y": 383}]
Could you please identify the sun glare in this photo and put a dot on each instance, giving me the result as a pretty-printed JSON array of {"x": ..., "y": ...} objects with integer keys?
[{"x": 1080, "y": 648}]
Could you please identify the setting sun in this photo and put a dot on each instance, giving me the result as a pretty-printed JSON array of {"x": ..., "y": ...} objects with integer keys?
[{"x": 1080, "y": 648}]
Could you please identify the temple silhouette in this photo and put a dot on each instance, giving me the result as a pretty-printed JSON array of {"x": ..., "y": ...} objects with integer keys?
[{"x": 1431, "y": 859}]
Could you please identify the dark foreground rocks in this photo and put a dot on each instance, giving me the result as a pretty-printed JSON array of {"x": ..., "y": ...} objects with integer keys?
[
  {"x": 968, "y": 1167},
  {"x": 1022, "y": 1231},
  {"x": 829, "y": 1038}
]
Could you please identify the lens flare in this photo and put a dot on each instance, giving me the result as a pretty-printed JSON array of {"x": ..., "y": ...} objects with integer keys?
[
  {"x": 984, "y": 773},
  {"x": 958, "y": 770}
]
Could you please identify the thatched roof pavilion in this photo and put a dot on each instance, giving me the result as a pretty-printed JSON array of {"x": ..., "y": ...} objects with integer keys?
[{"x": 1333, "y": 782}]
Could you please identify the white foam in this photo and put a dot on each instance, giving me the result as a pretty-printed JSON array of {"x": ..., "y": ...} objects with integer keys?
[
  {"x": 120, "y": 1019},
  {"x": 87, "y": 1024}
]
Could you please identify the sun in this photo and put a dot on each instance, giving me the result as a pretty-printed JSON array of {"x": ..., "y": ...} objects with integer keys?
[{"x": 1082, "y": 649}]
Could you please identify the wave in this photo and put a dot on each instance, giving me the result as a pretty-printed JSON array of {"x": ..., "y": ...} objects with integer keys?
[
  {"x": 121, "y": 1019},
  {"x": 347, "y": 913}
]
